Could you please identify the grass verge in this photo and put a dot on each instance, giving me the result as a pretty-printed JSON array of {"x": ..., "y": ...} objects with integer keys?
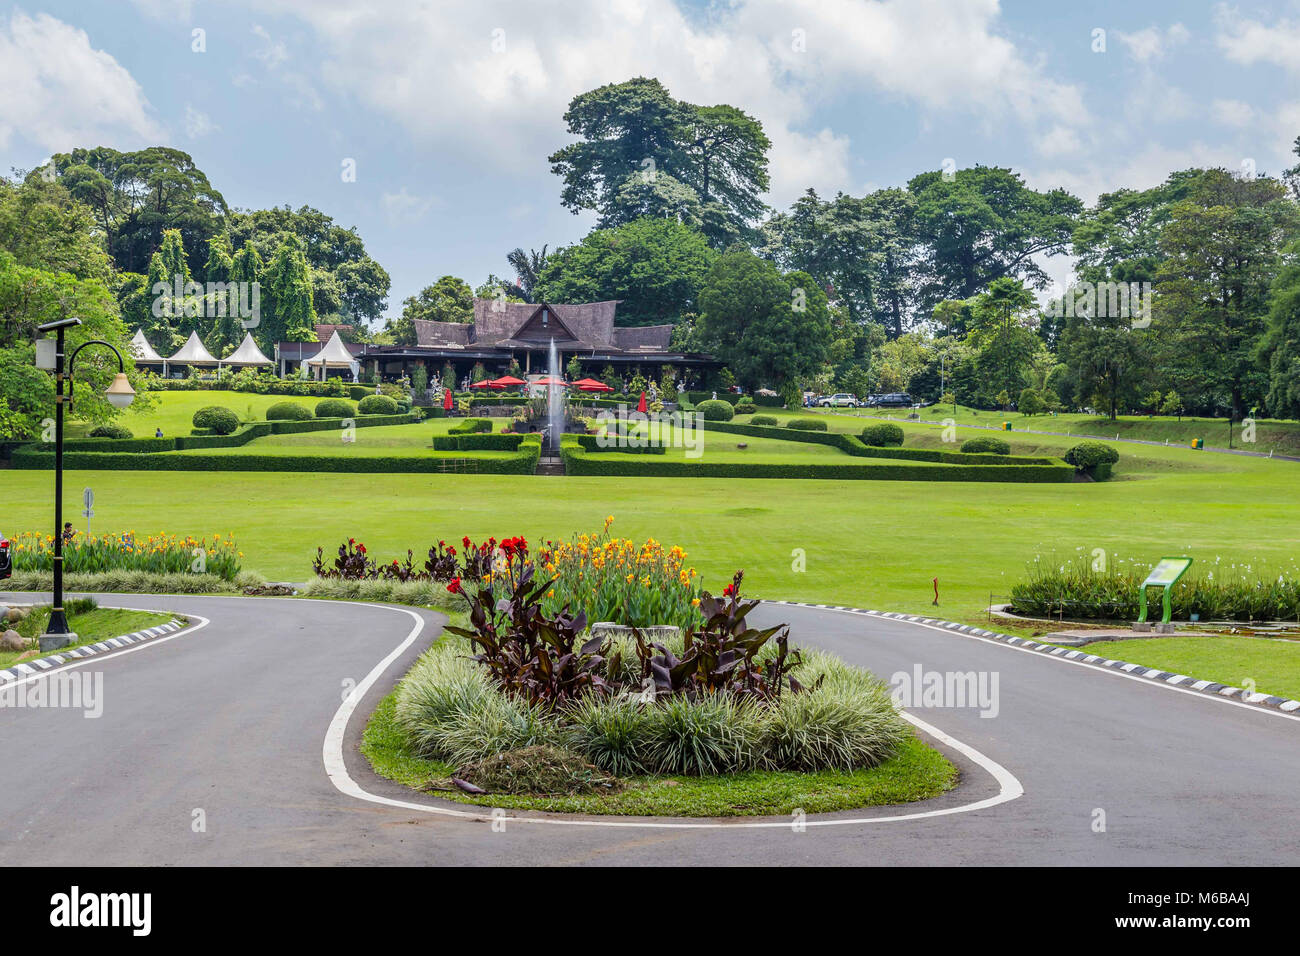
[
  {"x": 1271, "y": 666},
  {"x": 90, "y": 627},
  {"x": 916, "y": 773}
]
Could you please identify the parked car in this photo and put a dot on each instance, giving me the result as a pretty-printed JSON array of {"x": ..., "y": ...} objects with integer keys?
[
  {"x": 890, "y": 400},
  {"x": 838, "y": 400},
  {"x": 6, "y": 561}
]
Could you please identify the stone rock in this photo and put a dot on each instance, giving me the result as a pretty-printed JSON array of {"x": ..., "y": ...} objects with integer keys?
[
  {"x": 15, "y": 614},
  {"x": 12, "y": 641}
]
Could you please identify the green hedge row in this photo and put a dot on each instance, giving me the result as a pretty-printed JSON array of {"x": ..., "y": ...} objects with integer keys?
[
  {"x": 763, "y": 401},
  {"x": 478, "y": 442},
  {"x": 522, "y": 462},
  {"x": 241, "y": 436},
  {"x": 578, "y": 461},
  {"x": 592, "y": 444},
  {"x": 852, "y": 445}
]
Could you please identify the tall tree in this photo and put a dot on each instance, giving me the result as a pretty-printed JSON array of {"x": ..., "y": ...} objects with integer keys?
[
  {"x": 712, "y": 160},
  {"x": 528, "y": 266},
  {"x": 655, "y": 266},
  {"x": 450, "y": 299},
  {"x": 292, "y": 316},
  {"x": 1221, "y": 253},
  {"x": 984, "y": 223},
  {"x": 771, "y": 330},
  {"x": 1281, "y": 348}
]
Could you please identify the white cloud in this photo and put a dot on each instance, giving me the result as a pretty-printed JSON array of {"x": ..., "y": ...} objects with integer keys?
[
  {"x": 1232, "y": 112},
  {"x": 404, "y": 207},
  {"x": 198, "y": 123},
  {"x": 1248, "y": 42},
  {"x": 1152, "y": 43},
  {"x": 437, "y": 72},
  {"x": 59, "y": 92}
]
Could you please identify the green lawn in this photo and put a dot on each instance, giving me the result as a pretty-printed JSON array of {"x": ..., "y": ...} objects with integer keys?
[
  {"x": 1272, "y": 665},
  {"x": 1282, "y": 437},
  {"x": 90, "y": 627},
  {"x": 174, "y": 411},
  {"x": 917, "y": 772}
]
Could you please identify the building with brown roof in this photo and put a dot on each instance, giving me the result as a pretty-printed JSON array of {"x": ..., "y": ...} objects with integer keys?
[{"x": 503, "y": 332}]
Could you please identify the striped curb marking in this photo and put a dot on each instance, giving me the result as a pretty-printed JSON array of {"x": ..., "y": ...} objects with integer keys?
[
  {"x": 1284, "y": 704},
  {"x": 36, "y": 666}
]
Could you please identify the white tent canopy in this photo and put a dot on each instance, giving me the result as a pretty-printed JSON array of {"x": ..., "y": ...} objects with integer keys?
[
  {"x": 142, "y": 350},
  {"x": 335, "y": 354},
  {"x": 193, "y": 353},
  {"x": 247, "y": 354}
]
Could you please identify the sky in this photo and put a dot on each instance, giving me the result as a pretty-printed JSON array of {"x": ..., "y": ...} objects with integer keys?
[{"x": 446, "y": 110}]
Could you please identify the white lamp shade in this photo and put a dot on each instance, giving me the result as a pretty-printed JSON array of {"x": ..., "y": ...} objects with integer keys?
[
  {"x": 46, "y": 354},
  {"x": 120, "y": 394}
]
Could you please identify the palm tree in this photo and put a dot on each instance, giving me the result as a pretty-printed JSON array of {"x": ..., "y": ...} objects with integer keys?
[{"x": 528, "y": 266}]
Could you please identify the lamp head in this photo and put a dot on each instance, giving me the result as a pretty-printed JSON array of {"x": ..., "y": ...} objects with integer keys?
[{"x": 120, "y": 394}]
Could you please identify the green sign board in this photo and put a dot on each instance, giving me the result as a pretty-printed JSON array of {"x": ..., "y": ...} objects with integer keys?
[{"x": 1164, "y": 575}]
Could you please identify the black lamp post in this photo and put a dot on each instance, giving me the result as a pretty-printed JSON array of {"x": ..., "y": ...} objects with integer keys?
[{"x": 119, "y": 394}]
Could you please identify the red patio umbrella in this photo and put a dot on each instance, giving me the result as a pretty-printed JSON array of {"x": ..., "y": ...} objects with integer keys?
[
  {"x": 640, "y": 406},
  {"x": 486, "y": 384},
  {"x": 591, "y": 385},
  {"x": 505, "y": 381},
  {"x": 551, "y": 381},
  {"x": 446, "y": 399}
]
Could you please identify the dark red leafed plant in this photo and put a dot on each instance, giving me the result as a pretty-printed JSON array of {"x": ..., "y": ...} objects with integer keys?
[
  {"x": 722, "y": 655},
  {"x": 441, "y": 564},
  {"x": 352, "y": 563},
  {"x": 528, "y": 654}
]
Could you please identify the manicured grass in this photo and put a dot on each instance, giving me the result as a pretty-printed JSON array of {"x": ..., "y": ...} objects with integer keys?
[
  {"x": 174, "y": 411},
  {"x": 90, "y": 627},
  {"x": 415, "y": 440},
  {"x": 1282, "y": 437},
  {"x": 1273, "y": 665},
  {"x": 916, "y": 773}
]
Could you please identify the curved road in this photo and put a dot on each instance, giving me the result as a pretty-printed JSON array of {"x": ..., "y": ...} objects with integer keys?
[{"x": 228, "y": 725}]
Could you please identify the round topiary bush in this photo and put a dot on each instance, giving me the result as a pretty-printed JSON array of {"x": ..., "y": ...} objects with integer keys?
[
  {"x": 985, "y": 445},
  {"x": 110, "y": 431},
  {"x": 809, "y": 425},
  {"x": 1088, "y": 454},
  {"x": 763, "y": 420},
  {"x": 335, "y": 408},
  {"x": 288, "y": 412},
  {"x": 745, "y": 407},
  {"x": 377, "y": 405},
  {"x": 716, "y": 410},
  {"x": 882, "y": 435},
  {"x": 214, "y": 418}
]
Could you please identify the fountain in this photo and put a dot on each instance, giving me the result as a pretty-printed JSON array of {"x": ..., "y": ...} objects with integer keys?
[{"x": 554, "y": 402}]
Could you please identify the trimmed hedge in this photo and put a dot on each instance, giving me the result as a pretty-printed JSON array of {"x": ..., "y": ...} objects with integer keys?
[
  {"x": 884, "y": 435},
  {"x": 377, "y": 405},
  {"x": 763, "y": 420},
  {"x": 469, "y": 426},
  {"x": 216, "y": 419},
  {"x": 592, "y": 444},
  {"x": 1088, "y": 454},
  {"x": 358, "y": 392},
  {"x": 745, "y": 407},
  {"x": 289, "y": 412},
  {"x": 477, "y": 441},
  {"x": 522, "y": 462},
  {"x": 114, "y": 432},
  {"x": 578, "y": 461},
  {"x": 985, "y": 444},
  {"x": 807, "y": 424},
  {"x": 716, "y": 410},
  {"x": 336, "y": 408}
]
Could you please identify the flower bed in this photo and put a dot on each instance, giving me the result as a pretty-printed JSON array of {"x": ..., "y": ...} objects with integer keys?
[
  {"x": 527, "y": 701},
  {"x": 125, "y": 551},
  {"x": 1072, "y": 588}
]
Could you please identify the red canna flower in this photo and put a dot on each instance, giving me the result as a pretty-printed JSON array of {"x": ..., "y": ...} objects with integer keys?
[
  {"x": 454, "y": 586},
  {"x": 729, "y": 590},
  {"x": 465, "y": 541},
  {"x": 361, "y": 548}
]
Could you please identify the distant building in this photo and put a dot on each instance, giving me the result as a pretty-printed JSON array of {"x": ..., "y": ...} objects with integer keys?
[{"x": 506, "y": 331}]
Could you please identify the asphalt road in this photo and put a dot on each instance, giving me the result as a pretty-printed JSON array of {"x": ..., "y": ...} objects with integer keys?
[{"x": 229, "y": 725}]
